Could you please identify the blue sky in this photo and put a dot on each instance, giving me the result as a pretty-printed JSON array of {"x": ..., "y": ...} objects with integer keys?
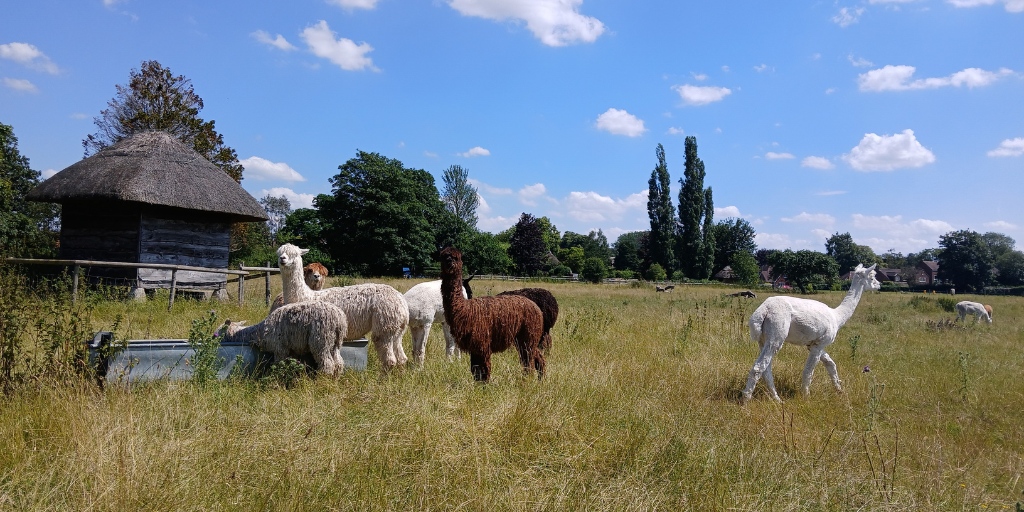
[{"x": 895, "y": 120}]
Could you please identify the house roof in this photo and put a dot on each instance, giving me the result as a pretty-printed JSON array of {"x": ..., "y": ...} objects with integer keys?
[
  {"x": 932, "y": 265},
  {"x": 151, "y": 167}
]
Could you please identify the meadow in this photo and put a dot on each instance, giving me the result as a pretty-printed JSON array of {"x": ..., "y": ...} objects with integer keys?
[{"x": 639, "y": 411}]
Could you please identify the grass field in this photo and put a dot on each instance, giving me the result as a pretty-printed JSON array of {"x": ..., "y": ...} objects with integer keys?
[{"x": 638, "y": 411}]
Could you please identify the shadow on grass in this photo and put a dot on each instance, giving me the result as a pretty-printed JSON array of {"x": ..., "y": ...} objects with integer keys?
[{"x": 732, "y": 389}]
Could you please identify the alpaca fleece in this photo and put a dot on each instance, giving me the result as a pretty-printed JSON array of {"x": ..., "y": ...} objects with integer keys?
[
  {"x": 548, "y": 307},
  {"x": 426, "y": 308},
  {"x": 377, "y": 309},
  {"x": 486, "y": 325},
  {"x": 297, "y": 330},
  {"x": 979, "y": 310},
  {"x": 315, "y": 276}
]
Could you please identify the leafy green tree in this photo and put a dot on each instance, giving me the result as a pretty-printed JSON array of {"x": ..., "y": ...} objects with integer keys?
[
  {"x": 732, "y": 236},
  {"x": 1011, "y": 268},
  {"x": 804, "y": 268},
  {"x": 155, "y": 99},
  {"x": 27, "y": 229},
  {"x": 764, "y": 255},
  {"x": 552, "y": 237},
  {"x": 459, "y": 196},
  {"x": 965, "y": 261},
  {"x": 483, "y": 253},
  {"x": 893, "y": 259},
  {"x": 745, "y": 268},
  {"x": 627, "y": 254},
  {"x": 594, "y": 245},
  {"x": 661, "y": 213},
  {"x": 998, "y": 244},
  {"x": 641, "y": 239},
  {"x": 914, "y": 258},
  {"x": 593, "y": 270},
  {"x": 380, "y": 216},
  {"x": 849, "y": 254},
  {"x": 573, "y": 257},
  {"x": 656, "y": 272},
  {"x": 694, "y": 202},
  {"x": 278, "y": 209},
  {"x": 527, "y": 247},
  {"x": 707, "y": 261}
]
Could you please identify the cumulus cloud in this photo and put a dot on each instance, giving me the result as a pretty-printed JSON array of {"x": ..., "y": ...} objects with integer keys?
[
  {"x": 489, "y": 189},
  {"x": 701, "y": 95},
  {"x": 812, "y": 218},
  {"x": 762, "y": 67},
  {"x": 354, "y": 4},
  {"x": 847, "y": 16},
  {"x": 830, "y": 90},
  {"x": 475, "y": 151},
  {"x": 888, "y": 152},
  {"x": 296, "y": 199},
  {"x": 29, "y": 56},
  {"x": 672, "y": 130},
  {"x": 593, "y": 207},
  {"x": 620, "y": 122},
  {"x": 20, "y": 85},
  {"x": 771, "y": 155},
  {"x": 47, "y": 174},
  {"x": 529, "y": 194},
  {"x": 1009, "y": 147},
  {"x": 1000, "y": 224},
  {"x": 261, "y": 169},
  {"x": 859, "y": 62},
  {"x": 1010, "y": 5},
  {"x": 893, "y": 232},
  {"x": 699, "y": 77},
  {"x": 554, "y": 22},
  {"x": 430, "y": 154},
  {"x": 496, "y": 224},
  {"x": 830, "y": 193},
  {"x": 817, "y": 162},
  {"x": 345, "y": 53},
  {"x": 772, "y": 240},
  {"x": 897, "y": 78},
  {"x": 278, "y": 42},
  {"x": 727, "y": 212}
]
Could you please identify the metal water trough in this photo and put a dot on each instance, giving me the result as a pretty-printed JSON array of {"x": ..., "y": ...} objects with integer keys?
[{"x": 145, "y": 360}]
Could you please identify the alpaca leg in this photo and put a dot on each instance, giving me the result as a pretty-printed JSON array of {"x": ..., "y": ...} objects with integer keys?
[
  {"x": 774, "y": 331},
  {"x": 545, "y": 342},
  {"x": 450, "y": 348},
  {"x": 480, "y": 365},
  {"x": 396, "y": 345},
  {"x": 812, "y": 361},
  {"x": 830, "y": 367},
  {"x": 769, "y": 380},
  {"x": 525, "y": 356},
  {"x": 324, "y": 358},
  {"x": 419, "y": 333},
  {"x": 385, "y": 353},
  {"x": 539, "y": 363}
]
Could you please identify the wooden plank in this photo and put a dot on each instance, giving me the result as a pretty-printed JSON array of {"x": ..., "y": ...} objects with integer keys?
[
  {"x": 241, "y": 285},
  {"x": 174, "y": 287},
  {"x": 122, "y": 264}
]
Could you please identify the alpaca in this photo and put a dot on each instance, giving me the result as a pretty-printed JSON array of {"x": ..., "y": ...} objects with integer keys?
[
  {"x": 315, "y": 276},
  {"x": 485, "y": 325},
  {"x": 542, "y": 298},
  {"x": 804, "y": 322},
  {"x": 988, "y": 309},
  {"x": 426, "y": 308},
  {"x": 296, "y": 330},
  {"x": 966, "y": 307},
  {"x": 370, "y": 308}
]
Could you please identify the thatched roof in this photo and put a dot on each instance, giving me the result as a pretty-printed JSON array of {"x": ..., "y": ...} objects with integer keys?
[{"x": 152, "y": 168}]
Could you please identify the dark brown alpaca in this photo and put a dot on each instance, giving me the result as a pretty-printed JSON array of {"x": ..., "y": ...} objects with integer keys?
[
  {"x": 486, "y": 325},
  {"x": 548, "y": 307}
]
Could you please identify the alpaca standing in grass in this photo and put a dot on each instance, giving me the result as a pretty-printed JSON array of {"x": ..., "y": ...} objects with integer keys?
[
  {"x": 803, "y": 322},
  {"x": 966, "y": 307},
  {"x": 426, "y": 308},
  {"x": 485, "y": 325},
  {"x": 543, "y": 299},
  {"x": 377, "y": 309},
  {"x": 315, "y": 276},
  {"x": 297, "y": 330}
]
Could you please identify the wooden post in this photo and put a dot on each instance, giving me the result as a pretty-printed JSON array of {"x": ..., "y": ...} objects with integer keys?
[
  {"x": 74, "y": 286},
  {"x": 174, "y": 286},
  {"x": 241, "y": 283},
  {"x": 267, "y": 277}
]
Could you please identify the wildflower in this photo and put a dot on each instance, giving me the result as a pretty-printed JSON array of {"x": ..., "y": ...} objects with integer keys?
[{"x": 866, "y": 369}]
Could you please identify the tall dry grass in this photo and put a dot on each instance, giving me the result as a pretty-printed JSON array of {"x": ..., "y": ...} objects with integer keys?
[{"x": 638, "y": 412}]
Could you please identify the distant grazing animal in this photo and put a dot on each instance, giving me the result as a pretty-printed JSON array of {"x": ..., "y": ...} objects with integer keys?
[
  {"x": 966, "y": 307},
  {"x": 670, "y": 287},
  {"x": 315, "y": 276},
  {"x": 297, "y": 330},
  {"x": 425, "y": 309},
  {"x": 745, "y": 293},
  {"x": 369, "y": 308},
  {"x": 658, "y": 288},
  {"x": 542, "y": 298},
  {"x": 485, "y": 325},
  {"x": 803, "y": 322}
]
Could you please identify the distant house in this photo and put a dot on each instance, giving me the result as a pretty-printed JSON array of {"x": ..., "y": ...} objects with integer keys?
[
  {"x": 881, "y": 274},
  {"x": 927, "y": 273},
  {"x": 725, "y": 275},
  {"x": 766, "y": 276}
]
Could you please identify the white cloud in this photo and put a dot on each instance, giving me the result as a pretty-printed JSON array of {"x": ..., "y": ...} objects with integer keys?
[
  {"x": 859, "y": 62},
  {"x": 344, "y": 52},
  {"x": 261, "y": 169},
  {"x": 554, "y": 22},
  {"x": 817, "y": 162},
  {"x": 699, "y": 77},
  {"x": 430, "y": 154},
  {"x": 888, "y": 152},
  {"x": 296, "y": 199},
  {"x": 771, "y": 155},
  {"x": 482, "y": 208},
  {"x": 475, "y": 151},
  {"x": 496, "y": 224},
  {"x": 830, "y": 193},
  {"x": 620, "y": 122},
  {"x": 762, "y": 67},
  {"x": 1011, "y": 5},
  {"x": 29, "y": 56},
  {"x": 354, "y": 4},
  {"x": 892, "y": 232},
  {"x": 593, "y": 207},
  {"x": 772, "y": 240},
  {"x": 1009, "y": 147},
  {"x": 816, "y": 56},
  {"x": 279, "y": 42},
  {"x": 672, "y": 130},
  {"x": 847, "y": 16},
  {"x": 897, "y": 78},
  {"x": 1000, "y": 224},
  {"x": 20, "y": 85},
  {"x": 830, "y": 90},
  {"x": 529, "y": 194},
  {"x": 725, "y": 69},
  {"x": 699, "y": 95},
  {"x": 890, "y": 1},
  {"x": 489, "y": 189},
  {"x": 718, "y": 130},
  {"x": 47, "y": 174},
  {"x": 812, "y": 218},
  {"x": 109, "y": 3},
  {"x": 727, "y": 212},
  {"x": 78, "y": 115}
]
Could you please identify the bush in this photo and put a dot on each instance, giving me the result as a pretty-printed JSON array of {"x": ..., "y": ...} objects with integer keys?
[
  {"x": 593, "y": 270},
  {"x": 948, "y": 304},
  {"x": 560, "y": 271},
  {"x": 624, "y": 274},
  {"x": 656, "y": 273},
  {"x": 678, "y": 276}
]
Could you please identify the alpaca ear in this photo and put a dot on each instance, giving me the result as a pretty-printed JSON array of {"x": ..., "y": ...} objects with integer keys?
[
  {"x": 303, "y": 251},
  {"x": 241, "y": 323},
  {"x": 859, "y": 268},
  {"x": 872, "y": 267}
]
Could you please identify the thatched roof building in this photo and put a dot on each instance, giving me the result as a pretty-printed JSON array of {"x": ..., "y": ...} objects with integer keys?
[{"x": 149, "y": 199}]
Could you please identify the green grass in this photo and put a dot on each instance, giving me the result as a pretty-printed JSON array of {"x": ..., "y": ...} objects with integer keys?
[{"x": 638, "y": 411}]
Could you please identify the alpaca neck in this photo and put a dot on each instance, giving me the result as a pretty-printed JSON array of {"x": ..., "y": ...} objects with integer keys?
[
  {"x": 451, "y": 293},
  {"x": 294, "y": 284},
  {"x": 250, "y": 334},
  {"x": 849, "y": 304}
]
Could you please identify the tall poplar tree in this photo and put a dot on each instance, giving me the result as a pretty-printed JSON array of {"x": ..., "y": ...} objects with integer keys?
[
  {"x": 459, "y": 196},
  {"x": 661, "y": 213},
  {"x": 707, "y": 260},
  {"x": 694, "y": 203}
]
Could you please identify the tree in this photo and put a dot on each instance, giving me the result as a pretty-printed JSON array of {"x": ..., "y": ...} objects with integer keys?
[
  {"x": 155, "y": 99},
  {"x": 694, "y": 202},
  {"x": 893, "y": 259},
  {"x": 527, "y": 247},
  {"x": 732, "y": 236},
  {"x": 459, "y": 196},
  {"x": 656, "y": 272},
  {"x": 914, "y": 258},
  {"x": 661, "y": 213},
  {"x": 483, "y": 253},
  {"x": 627, "y": 254},
  {"x": 278, "y": 209},
  {"x": 764, "y": 255},
  {"x": 849, "y": 254},
  {"x": 593, "y": 270},
  {"x": 745, "y": 268},
  {"x": 998, "y": 244},
  {"x": 27, "y": 229},
  {"x": 573, "y": 257},
  {"x": 1011, "y": 268},
  {"x": 380, "y": 216},
  {"x": 965, "y": 261},
  {"x": 804, "y": 268},
  {"x": 707, "y": 261},
  {"x": 550, "y": 233}
]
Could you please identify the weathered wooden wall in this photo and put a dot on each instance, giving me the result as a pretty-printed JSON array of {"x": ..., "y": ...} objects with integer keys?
[
  {"x": 183, "y": 238},
  {"x": 101, "y": 231}
]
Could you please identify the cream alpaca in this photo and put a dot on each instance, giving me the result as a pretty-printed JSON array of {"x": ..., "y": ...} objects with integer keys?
[
  {"x": 966, "y": 307},
  {"x": 315, "y": 276},
  {"x": 426, "y": 308},
  {"x": 803, "y": 322},
  {"x": 377, "y": 309},
  {"x": 296, "y": 330}
]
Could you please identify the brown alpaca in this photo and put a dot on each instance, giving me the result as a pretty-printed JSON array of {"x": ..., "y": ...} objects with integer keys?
[
  {"x": 988, "y": 309},
  {"x": 542, "y": 298},
  {"x": 486, "y": 325},
  {"x": 315, "y": 276}
]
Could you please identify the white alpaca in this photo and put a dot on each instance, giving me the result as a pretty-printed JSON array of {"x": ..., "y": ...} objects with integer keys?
[
  {"x": 426, "y": 308},
  {"x": 296, "y": 330},
  {"x": 315, "y": 276},
  {"x": 377, "y": 309},
  {"x": 966, "y": 307},
  {"x": 804, "y": 322}
]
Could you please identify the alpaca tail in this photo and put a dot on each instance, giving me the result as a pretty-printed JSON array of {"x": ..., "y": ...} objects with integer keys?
[{"x": 756, "y": 322}]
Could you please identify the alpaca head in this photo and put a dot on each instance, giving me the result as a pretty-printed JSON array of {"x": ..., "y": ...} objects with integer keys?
[
  {"x": 229, "y": 328},
  {"x": 451, "y": 262},
  {"x": 290, "y": 257},
  {"x": 315, "y": 275},
  {"x": 867, "y": 276}
]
